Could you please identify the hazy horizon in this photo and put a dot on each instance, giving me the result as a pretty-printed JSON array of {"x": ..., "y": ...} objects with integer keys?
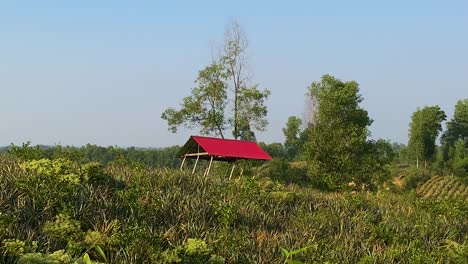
[{"x": 83, "y": 72}]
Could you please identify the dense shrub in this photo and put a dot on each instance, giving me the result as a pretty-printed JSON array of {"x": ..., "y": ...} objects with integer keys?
[{"x": 283, "y": 171}]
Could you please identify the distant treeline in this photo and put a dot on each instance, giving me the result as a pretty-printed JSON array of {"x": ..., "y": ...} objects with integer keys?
[{"x": 151, "y": 157}]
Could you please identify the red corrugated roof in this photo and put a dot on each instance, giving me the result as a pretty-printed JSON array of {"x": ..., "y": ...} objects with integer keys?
[{"x": 226, "y": 148}]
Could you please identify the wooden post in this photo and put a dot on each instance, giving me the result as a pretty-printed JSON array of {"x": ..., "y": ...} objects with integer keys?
[
  {"x": 194, "y": 167},
  {"x": 209, "y": 167},
  {"x": 232, "y": 170},
  {"x": 228, "y": 169},
  {"x": 183, "y": 161}
]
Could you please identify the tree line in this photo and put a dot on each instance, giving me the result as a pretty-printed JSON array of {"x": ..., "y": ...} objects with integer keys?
[
  {"x": 150, "y": 157},
  {"x": 334, "y": 140}
]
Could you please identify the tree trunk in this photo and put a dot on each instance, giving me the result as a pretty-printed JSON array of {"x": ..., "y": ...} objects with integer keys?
[
  {"x": 417, "y": 162},
  {"x": 235, "y": 114}
]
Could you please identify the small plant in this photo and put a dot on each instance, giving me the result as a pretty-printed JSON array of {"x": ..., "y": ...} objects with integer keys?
[
  {"x": 290, "y": 254},
  {"x": 62, "y": 228},
  {"x": 14, "y": 247},
  {"x": 193, "y": 251},
  {"x": 87, "y": 260}
]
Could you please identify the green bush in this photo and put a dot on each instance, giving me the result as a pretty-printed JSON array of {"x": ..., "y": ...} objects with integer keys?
[
  {"x": 414, "y": 177},
  {"x": 281, "y": 170}
]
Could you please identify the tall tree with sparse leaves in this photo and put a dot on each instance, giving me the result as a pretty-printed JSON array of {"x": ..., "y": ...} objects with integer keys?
[{"x": 224, "y": 99}]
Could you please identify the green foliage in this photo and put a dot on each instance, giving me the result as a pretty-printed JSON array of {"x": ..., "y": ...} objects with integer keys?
[
  {"x": 424, "y": 128},
  {"x": 226, "y": 214},
  {"x": 460, "y": 158},
  {"x": 288, "y": 255},
  {"x": 206, "y": 106},
  {"x": 63, "y": 228},
  {"x": 457, "y": 127},
  {"x": 337, "y": 149},
  {"x": 57, "y": 257},
  {"x": 60, "y": 169},
  {"x": 193, "y": 251},
  {"x": 223, "y": 99},
  {"x": 26, "y": 151},
  {"x": 146, "y": 215},
  {"x": 401, "y": 154},
  {"x": 275, "y": 150},
  {"x": 158, "y": 157},
  {"x": 283, "y": 171},
  {"x": 292, "y": 134},
  {"x": 252, "y": 111},
  {"x": 14, "y": 247},
  {"x": 415, "y": 177},
  {"x": 60, "y": 257}
]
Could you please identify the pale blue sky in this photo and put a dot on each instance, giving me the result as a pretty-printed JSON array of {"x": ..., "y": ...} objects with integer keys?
[{"x": 77, "y": 72}]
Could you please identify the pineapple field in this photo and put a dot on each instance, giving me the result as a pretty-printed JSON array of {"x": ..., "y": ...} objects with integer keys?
[
  {"x": 444, "y": 187},
  {"x": 60, "y": 211}
]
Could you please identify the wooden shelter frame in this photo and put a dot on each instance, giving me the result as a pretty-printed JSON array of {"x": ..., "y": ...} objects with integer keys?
[
  {"x": 195, "y": 150},
  {"x": 211, "y": 158}
]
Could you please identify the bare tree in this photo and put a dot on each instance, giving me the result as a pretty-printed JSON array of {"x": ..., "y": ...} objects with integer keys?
[
  {"x": 235, "y": 59},
  {"x": 310, "y": 108}
]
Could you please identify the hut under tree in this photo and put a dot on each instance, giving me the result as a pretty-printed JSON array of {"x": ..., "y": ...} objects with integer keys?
[{"x": 217, "y": 149}]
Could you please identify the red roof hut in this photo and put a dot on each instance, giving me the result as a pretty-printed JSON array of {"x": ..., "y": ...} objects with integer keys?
[{"x": 229, "y": 150}]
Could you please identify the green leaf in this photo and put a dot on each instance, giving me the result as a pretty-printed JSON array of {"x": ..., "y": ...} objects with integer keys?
[
  {"x": 285, "y": 252},
  {"x": 290, "y": 261},
  {"x": 86, "y": 259},
  {"x": 297, "y": 251},
  {"x": 99, "y": 250}
]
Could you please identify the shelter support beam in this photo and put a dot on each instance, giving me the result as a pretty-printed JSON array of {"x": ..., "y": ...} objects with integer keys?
[
  {"x": 232, "y": 170},
  {"x": 196, "y": 154},
  {"x": 195, "y": 166},
  {"x": 183, "y": 162},
  {"x": 209, "y": 167}
]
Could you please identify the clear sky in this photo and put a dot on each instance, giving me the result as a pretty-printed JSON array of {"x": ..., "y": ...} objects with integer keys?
[{"x": 101, "y": 72}]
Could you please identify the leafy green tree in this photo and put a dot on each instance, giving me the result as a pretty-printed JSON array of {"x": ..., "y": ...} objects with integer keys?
[
  {"x": 251, "y": 112},
  {"x": 457, "y": 128},
  {"x": 205, "y": 106},
  {"x": 224, "y": 99},
  {"x": 460, "y": 159},
  {"x": 425, "y": 126},
  {"x": 401, "y": 153},
  {"x": 292, "y": 133},
  {"x": 275, "y": 150},
  {"x": 337, "y": 149},
  {"x": 456, "y": 132}
]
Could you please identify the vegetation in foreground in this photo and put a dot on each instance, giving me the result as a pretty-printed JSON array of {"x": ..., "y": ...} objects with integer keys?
[{"x": 55, "y": 211}]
